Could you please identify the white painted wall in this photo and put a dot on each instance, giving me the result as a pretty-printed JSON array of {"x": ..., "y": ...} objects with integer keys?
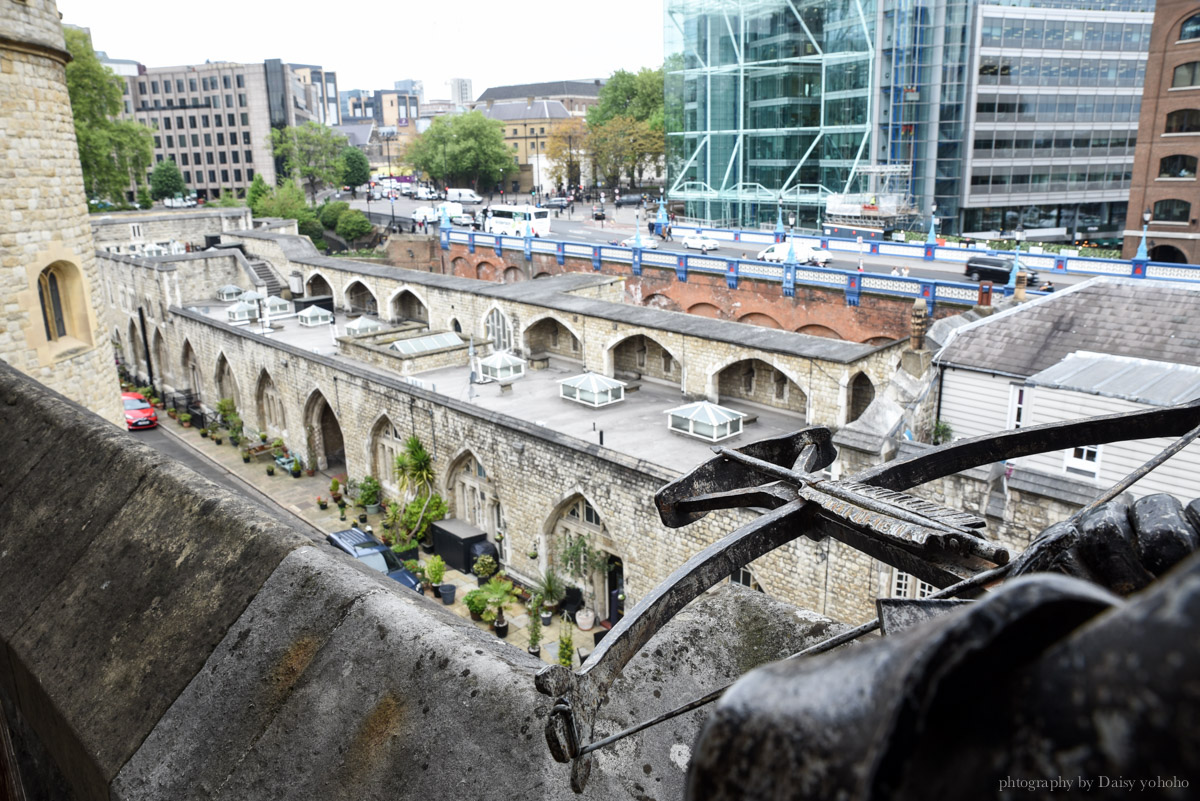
[{"x": 976, "y": 403}]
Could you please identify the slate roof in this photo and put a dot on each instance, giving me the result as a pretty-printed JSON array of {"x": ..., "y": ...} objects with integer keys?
[
  {"x": 521, "y": 110},
  {"x": 1141, "y": 380},
  {"x": 1116, "y": 316},
  {"x": 547, "y": 89},
  {"x": 357, "y": 133}
]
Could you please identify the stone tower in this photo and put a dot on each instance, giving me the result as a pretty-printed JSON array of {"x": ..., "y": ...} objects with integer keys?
[{"x": 48, "y": 272}]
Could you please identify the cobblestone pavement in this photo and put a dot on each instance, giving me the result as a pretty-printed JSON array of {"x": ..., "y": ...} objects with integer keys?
[{"x": 299, "y": 496}]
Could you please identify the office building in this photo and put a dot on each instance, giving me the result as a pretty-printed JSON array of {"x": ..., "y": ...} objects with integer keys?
[
  {"x": 394, "y": 112},
  {"x": 1164, "y": 195},
  {"x": 411, "y": 87},
  {"x": 214, "y": 120},
  {"x": 460, "y": 91},
  {"x": 1003, "y": 115},
  {"x": 576, "y": 96},
  {"x": 324, "y": 100},
  {"x": 527, "y": 128}
]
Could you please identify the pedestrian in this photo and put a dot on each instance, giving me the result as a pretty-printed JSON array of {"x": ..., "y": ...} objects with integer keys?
[
  {"x": 669, "y": 237},
  {"x": 895, "y": 271},
  {"x": 904, "y": 272},
  {"x": 1048, "y": 286},
  {"x": 650, "y": 226},
  {"x": 743, "y": 257}
]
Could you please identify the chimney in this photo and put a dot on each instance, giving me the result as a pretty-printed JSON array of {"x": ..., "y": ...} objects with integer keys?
[
  {"x": 1019, "y": 293},
  {"x": 489, "y": 104},
  {"x": 917, "y": 358}
]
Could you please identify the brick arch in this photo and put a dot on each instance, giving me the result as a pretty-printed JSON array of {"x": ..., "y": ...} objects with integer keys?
[
  {"x": 541, "y": 274},
  {"x": 407, "y": 303},
  {"x": 817, "y": 330},
  {"x": 760, "y": 319},
  {"x": 661, "y": 301},
  {"x": 713, "y": 373},
  {"x": 879, "y": 341},
  {"x": 486, "y": 271},
  {"x": 706, "y": 310},
  {"x": 461, "y": 267},
  {"x": 317, "y": 284},
  {"x": 512, "y": 275},
  {"x": 610, "y": 348}
]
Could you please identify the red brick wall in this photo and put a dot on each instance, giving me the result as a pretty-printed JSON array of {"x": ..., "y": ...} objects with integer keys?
[{"x": 817, "y": 311}]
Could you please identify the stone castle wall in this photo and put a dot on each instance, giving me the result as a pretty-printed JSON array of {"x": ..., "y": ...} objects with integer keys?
[{"x": 118, "y": 231}]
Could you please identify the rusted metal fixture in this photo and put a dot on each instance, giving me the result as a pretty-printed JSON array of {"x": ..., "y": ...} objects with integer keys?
[{"x": 868, "y": 511}]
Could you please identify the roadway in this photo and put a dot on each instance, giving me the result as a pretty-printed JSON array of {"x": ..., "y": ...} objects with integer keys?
[{"x": 578, "y": 227}]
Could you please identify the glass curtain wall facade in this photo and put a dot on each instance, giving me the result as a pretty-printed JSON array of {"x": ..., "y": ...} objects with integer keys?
[
  {"x": 1005, "y": 112},
  {"x": 768, "y": 103}
]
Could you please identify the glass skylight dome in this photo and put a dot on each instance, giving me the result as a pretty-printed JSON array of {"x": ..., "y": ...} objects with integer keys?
[
  {"x": 705, "y": 420},
  {"x": 277, "y": 305},
  {"x": 242, "y": 311},
  {"x": 592, "y": 389},
  {"x": 363, "y": 325},
  {"x": 251, "y": 296},
  {"x": 229, "y": 292},
  {"x": 315, "y": 315},
  {"x": 502, "y": 366}
]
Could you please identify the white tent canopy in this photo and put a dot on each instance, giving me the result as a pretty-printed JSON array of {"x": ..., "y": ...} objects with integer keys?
[
  {"x": 502, "y": 366},
  {"x": 592, "y": 389},
  {"x": 705, "y": 420}
]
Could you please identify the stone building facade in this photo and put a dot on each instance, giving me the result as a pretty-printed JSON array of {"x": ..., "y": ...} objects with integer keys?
[
  {"x": 53, "y": 330},
  {"x": 535, "y": 478}
]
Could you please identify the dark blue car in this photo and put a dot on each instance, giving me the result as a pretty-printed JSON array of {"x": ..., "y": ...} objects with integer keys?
[{"x": 373, "y": 553}]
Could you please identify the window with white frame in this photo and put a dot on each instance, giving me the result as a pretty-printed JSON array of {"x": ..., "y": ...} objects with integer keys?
[
  {"x": 906, "y": 585},
  {"x": 498, "y": 331},
  {"x": 1083, "y": 461},
  {"x": 744, "y": 577},
  {"x": 1016, "y": 405}
]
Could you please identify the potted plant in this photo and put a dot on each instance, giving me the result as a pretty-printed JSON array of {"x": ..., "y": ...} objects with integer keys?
[
  {"x": 406, "y": 549},
  {"x": 321, "y": 502},
  {"x": 435, "y": 570},
  {"x": 235, "y": 428},
  {"x": 246, "y": 456},
  {"x": 550, "y": 586},
  {"x": 334, "y": 488},
  {"x": 581, "y": 562},
  {"x": 311, "y": 464},
  {"x": 368, "y": 494},
  {"x": 185, "y": 420},
  {"x": 271, "y": 471},
  {"x": 484, "y": 567},
  {"x": 476, "y": 603},
  {"x": 415, "y": 475},
  {"x": 225, "y": 409},
  {"x": 500, "y": 594},
  {"x": 535, "y": 627},
  {"x": 566, "y": 645},
  {"x": 173, "y": 413},
  {"x": 295, "y": 468},
  {"x": 262, "y": 436},
  {"x": 216, "y": 437},
  {"x": 391, "y": 516},
  {"x": 277, "y": 447},
  {"x": 204, "y": 432}
]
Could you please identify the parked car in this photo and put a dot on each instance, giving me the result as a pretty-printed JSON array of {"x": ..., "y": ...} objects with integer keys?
[
  {"x": 557, "y": 203},
  {"x": 804, "y": 254},
  {"x": 373, "y": 553},
  {"x": 628, "y": 200},
  {"x": 407, "y": 189},
  {"x": 700, "y": 242},
  {"x": 996, "y": 269},
  {"x": 138, "y": 412},
  {"x": 648, "y": 243},
  {"x": 597, "y": 212}
]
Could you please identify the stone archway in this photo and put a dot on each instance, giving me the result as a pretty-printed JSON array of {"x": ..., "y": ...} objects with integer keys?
[
  {"x": 755, "y": 381},
  {"x": 269, "y": 407},
  {"x": 861, "y": 392},
  {"x": 573, "y": 518},
  {"x": 192, "y": 373},
  {"x": 407, "y": 306},
  {"x": 512, "y": 275},
  {"x": 550, "y": 335},
  {"x": 327, "y": 440},
  {"x": 386, "y": 443},
  {"x": 317, "y": 286},
  {"x": 471, "y": 496},
  {"x": 227, "y": 386},
  {"x": 136, "y": 355},
  {"x": 161, "y": 362},
  {"x": 360, "y": 299},
  {"x": 646, "y": 357}
]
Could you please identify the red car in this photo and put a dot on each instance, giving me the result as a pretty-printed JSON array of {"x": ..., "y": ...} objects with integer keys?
[{"x": 138, "y": 413}]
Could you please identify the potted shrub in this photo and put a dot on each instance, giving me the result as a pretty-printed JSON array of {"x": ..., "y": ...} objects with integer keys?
[
  {"x": 271, "y": 471},
  {"x": 235, "y": 428},
  {"x": 500, "y": 594},
  {"x": 334, "y": 488},
  {"x": 246, "y": 456},
  {"x": 406, "y": 549},
  {"x": 172, "y": 413},
  {"x": 277, "y": 448},
  {"x": 435, "y": 570},
  {"x": 262, "y": 436},
  {"x": 566, "y": 644},
  {"x": 216, "y": 437},
  {"x": 322, "y": 503},
  {"x": 476, "y": 603},
  {"x": 204, "y": 432},
  {"x": 484, "y": 567},
  {"x": 185, "y": 420},
  {"x": 225, "y": 409},
  {"x": 550, "y": 586},
  {"x": 535, "y": 627},
  {"x": 368, "y": 494},
  {"x": 295, "y": 468}
]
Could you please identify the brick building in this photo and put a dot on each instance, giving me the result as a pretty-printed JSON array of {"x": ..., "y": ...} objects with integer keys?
[{"x": 1164, "y": 189}]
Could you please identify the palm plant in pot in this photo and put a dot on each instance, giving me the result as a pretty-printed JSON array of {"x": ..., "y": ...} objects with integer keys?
[
  {"x": 500, "y": 594},
  {"x": 415, "y": 475},
  {"x": 550, "y": 587}
]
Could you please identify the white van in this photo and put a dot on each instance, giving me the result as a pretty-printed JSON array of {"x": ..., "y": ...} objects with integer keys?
[
  {"x": 450, "y": 208},
  {"x": 804, "y": 254},
  {"x": 463, "y": 196},
  {"x": 425, "y": 193}
]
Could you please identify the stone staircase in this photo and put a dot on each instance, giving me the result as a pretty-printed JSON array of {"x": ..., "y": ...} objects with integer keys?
[{"x": 272, "y": 283}]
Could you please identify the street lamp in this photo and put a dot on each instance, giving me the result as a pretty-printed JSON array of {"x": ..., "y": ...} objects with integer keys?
[
  {"x": 387, "y": 141},
  {"x": 791, "y": 254},
  {"x": 1016, "y": 268},
  {"x": 1141, "y": 251},
  {"x": 932, "y": 238}
]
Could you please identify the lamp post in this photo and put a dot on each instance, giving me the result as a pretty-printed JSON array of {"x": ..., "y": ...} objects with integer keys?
[
  {"x": 779, "y": 223},
  {"x": 1016, "y": 268},
  {"x": 932, "y": 238},
  {"x": 387, "y": 141},
  {"x": 1142, "y": 254},
  {"x": 791, "y": 255}
]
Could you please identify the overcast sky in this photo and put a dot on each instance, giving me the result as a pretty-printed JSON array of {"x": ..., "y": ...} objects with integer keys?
[{"x": 372, "y": 44}]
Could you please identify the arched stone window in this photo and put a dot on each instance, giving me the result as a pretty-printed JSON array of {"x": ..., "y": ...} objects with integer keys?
[
  {"x": 50, "y": 284},
  {"x": 386, "y": 445},
  {"x": 1190, "y": 28},
  {"x": 497, "y": 329},
  {"x": 1172, "y": 210},
  {"x": 578, "y": 518},
  {"x": 862, "y": 392},
  {"x": 474, "y": 499}
]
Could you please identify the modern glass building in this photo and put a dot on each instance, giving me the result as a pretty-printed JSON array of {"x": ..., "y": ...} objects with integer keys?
[{"x": 999, "y": 112}]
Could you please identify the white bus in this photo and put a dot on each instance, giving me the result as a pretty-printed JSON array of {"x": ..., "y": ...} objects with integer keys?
[{"x": 510, "y": 221}]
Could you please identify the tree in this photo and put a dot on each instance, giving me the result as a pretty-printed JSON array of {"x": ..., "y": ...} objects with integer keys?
[
  {"x": 353, "y": 225},
  {"x": 144, "y": 199},
  {"x": 166, "y": 181},
  {"x": 285, "y": 201},
  {"x": 257, "y": 191},
  {"x": 627, "y": 125},
  {"x": 356, "y": 169},
  {"x": 414, "y": 472},
  {"x": 330, "y": 213},
  {"x": 113, "y": 153},
  {"x": 228, "y": 199},
  {"x": 625, "y": 94},
  {"x": 466, "y": 149},
  {"x": 566, "y": 147},
  {"x": 312, "y": 153}
]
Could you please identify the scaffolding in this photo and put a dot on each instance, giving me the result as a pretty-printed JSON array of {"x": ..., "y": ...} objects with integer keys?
[{"x": 885, "y": 203}]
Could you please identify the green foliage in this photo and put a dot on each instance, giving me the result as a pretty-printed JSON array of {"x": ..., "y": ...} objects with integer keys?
[
  {"x": 286, "y": 201},
  {"x": 484, "y": 566},
  {"x": 225, "y": 408},
  {"x": 313, "y": 230},
  {"x": 942, "y": 432},
  {"x": 466, "y": 149},
  {"x": 625, "y": 94},
  {"x": 626, "y": 125},
  {"x": 312, "y": 152},
  {"x": 227, "y": 200},
  {"x": 550, "y": 586},
  {"x": 331, "y": 212},
  {"x": 113, "y": 153},
  {"x": 476, "y": 601},
  {"x": 581, "y": 561},
  {"x": 414, "y": 474},
  {"x": 535, "y": 622},
  {"x": 166, "y": 181},
  {"x": 257, "y": 191},
  {"x": 353, "y": 225},
  {"x": 566, "y": 644},
  {"x": 144, "y": 198},
  {"x": 416, "y": 568},
  {"x": 368, "y": 490},
  {"x": 334, "y": 486},
  {"x": 435, "y": 569},
  {"x": 500, "y": 594},
  {"x": 356, "y": 170},
  {"x": 420, "y": 512}
]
